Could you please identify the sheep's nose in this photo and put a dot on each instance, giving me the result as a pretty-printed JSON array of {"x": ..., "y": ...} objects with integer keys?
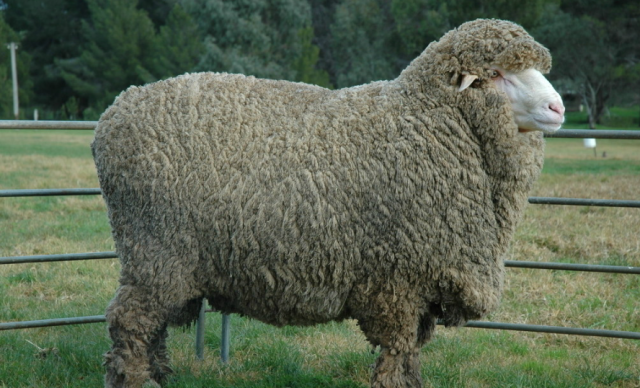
[{"x": 557, "y": 107}]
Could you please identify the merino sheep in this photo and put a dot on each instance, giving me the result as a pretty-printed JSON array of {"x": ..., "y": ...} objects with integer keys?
[{"x": 392, "y": 203}]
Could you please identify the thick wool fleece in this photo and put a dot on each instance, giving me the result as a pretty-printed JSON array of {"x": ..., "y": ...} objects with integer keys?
[{"x": 392, "y": 203}]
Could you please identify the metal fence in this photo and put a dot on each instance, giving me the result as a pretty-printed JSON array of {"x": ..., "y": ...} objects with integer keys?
[{"x": 565, "y": 133}]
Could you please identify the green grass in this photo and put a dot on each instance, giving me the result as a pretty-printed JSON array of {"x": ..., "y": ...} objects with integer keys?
[
  {"x": 335, "y": 354},
  {"x": 66, "y": 143},
  {"x": 606, "y": 167},
  {"x": 617, "y": 118},
  {"x": 611, "y": 157}
]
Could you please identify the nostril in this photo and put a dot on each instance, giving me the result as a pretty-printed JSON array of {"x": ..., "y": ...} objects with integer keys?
[{"x": 557, "y": 107}]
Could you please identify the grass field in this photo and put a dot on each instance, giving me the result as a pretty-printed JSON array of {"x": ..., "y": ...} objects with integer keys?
[
  {"x": 332, "y": 355},
  {"x": 617, "y": 117}
]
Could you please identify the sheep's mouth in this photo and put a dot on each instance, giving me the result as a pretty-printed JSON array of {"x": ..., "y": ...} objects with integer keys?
[
  {"x": 525, "y": 130},
  {"x": 545, "y": 126}
]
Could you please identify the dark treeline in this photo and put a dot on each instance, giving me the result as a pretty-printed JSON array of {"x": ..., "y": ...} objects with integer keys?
[{"x": 75, "y": 56}]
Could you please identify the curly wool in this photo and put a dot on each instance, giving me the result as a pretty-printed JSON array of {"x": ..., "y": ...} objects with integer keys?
[{"x": 392, "y": 203}]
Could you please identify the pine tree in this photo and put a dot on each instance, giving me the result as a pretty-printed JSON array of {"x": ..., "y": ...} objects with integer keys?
[
  {"x": 120, "y": 51},
  {"x": 179, "y": 44},
  {"x": 158, "y": 10}
]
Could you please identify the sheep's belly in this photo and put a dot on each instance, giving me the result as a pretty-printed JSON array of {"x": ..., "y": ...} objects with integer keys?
[{"x": 290, "y": 304}]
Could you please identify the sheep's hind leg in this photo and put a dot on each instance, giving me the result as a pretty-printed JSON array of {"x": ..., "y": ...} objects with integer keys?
[{"x": 137, "y": 326}]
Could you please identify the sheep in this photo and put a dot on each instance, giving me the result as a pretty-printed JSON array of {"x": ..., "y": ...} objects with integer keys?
[{"x": 391, "y": 203}]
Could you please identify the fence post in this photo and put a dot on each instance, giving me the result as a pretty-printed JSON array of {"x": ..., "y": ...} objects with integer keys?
[
  {"x": 14, "y": 77},
  {"x": 200, "y": 331},
  {"x": 224, "y": 342}
]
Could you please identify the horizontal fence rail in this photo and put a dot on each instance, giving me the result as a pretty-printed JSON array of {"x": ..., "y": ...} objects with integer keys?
[
  {"x": 47, "y": 192},
  {"x": 553, "y": 329},
  {"x": 471, "y": 324},
  {"x": 532, "y": 200},
  {"x": 572, "y": 267},
  {"x": 583, "y": 202},
  {"x": 62, "y": 257},
  {"x": 562, "y": 133},
  {"x": 51, "y": 322},
  {"x": 28, "y": 124},
  {"x": 507, "y": 263},
  {"x": 595, "y": 133}
]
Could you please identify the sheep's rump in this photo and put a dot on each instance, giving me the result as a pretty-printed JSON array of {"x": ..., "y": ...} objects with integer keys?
[{"x": 291, "y": 203}]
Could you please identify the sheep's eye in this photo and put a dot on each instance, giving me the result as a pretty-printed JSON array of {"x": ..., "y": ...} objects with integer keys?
[{"x": 494, "y": 74}]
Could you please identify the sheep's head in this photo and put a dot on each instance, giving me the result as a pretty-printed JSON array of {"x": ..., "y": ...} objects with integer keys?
[
  {"x": 503, "y": 55},
  {"x": 494, "y": 54},
  {"x": 535, "y": 104}
]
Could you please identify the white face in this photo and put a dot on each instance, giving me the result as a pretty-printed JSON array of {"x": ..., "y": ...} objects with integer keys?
[{"x": 535, "y": 103}]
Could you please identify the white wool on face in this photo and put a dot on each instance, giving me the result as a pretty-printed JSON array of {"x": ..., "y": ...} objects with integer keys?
[{"x": 535, "y": 103}]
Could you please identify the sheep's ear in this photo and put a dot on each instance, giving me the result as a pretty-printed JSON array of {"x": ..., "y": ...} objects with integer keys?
[{"x": 467, "y": 80}]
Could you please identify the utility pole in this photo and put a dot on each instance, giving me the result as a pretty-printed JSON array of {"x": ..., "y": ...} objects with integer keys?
[{"x": 14, "y": 73}]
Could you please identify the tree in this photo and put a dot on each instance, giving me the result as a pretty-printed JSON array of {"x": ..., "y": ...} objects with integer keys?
[
  {"x": 50, "y": 30},
  {"x": 322, "y": 12},
  {"x": 364, "y": 43},
  {"x": 253, "y": 37},
  {"x": 305, "y": 65},
  {"x": 376, "y": 39},
  {"x": 158, "y": 10},
  {"x": 119, "y": 52},
  {"x": 419, "y": 22},
  {"x": 124, "y": 49},
  {"x": 595, "y": 50},
  {"x": 179, "y": 44},
  {"x": 526, "y": 13}
]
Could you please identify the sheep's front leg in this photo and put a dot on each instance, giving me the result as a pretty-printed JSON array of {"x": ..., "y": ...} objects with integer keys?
[
  {"x": 158, "y": 358},
  {"x": 400, "y": 328},
  {"x": 396, "y": 369},
  {"x": 406, "y": 364}
]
